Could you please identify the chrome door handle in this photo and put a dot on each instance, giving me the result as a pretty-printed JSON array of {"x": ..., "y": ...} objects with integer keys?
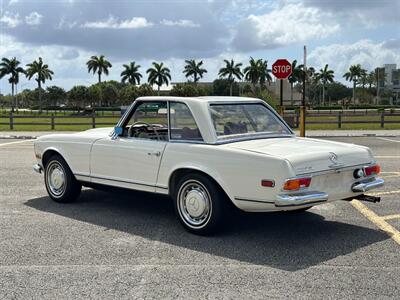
[{"x": 157, "y": 153}]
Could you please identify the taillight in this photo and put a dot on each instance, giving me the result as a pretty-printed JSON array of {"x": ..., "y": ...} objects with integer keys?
[
  {"x": 297, "y": 183},
  {"x": 372, "y": 170}
]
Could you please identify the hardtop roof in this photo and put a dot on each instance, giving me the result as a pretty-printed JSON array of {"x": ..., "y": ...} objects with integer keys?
[{"x": 200, "y": 99}]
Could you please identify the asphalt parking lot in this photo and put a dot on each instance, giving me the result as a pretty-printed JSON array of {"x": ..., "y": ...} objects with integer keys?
[{"x": 130, "y": 245}]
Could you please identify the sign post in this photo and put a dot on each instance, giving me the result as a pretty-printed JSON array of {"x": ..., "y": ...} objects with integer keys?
[
  {"x": 281, "y": 69},
  {"x": 303, "y": 101}
]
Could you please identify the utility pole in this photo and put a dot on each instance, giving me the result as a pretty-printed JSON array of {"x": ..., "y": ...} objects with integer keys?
[{"x": 303, "y": 101}]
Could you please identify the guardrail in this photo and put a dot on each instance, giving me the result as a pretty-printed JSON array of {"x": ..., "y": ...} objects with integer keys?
[
  {"x": 292, "y": 118},
  {"x": 340, "y": 118},
  {"x": 51, "y": 120}
]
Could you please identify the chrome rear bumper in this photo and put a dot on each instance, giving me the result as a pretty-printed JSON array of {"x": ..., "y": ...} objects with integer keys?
[
  {"x": 366, "y": 186},
  {"x": 37, "y": 168},
  {"x": 300, "y": 199}
]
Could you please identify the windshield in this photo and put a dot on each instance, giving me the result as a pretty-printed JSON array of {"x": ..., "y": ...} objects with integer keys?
[{"x": 239, "y": 120}]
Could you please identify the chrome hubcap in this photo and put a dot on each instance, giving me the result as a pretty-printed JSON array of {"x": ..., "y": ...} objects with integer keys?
[
  {"x": 194, "y": 203},
  {"x": 56, "y": 178}
]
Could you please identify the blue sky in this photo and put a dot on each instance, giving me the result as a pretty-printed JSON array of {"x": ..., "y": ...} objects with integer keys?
[{"x": 65, "y": 33}]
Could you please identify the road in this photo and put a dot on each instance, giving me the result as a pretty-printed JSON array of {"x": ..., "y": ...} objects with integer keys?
[{"x": 130, "y": 245}]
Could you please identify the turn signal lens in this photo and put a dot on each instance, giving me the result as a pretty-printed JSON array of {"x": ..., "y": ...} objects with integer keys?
[
  {"x": 372, "y": 170},
  {"x": 298, "y": 183}
]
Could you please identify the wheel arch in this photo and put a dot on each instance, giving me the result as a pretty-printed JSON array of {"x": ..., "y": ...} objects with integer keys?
[
  {"x": 49, "y": 152},
  {"x": 181, "y": 171}
]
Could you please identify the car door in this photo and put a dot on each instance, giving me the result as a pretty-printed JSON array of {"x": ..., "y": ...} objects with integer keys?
[{"x": 130, "y": 162}]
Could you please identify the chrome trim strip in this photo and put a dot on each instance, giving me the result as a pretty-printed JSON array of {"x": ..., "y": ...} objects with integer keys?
[
  {"x": 122, "y": 181},
  {"x": 366, "y": 186},
  {"x": 253, "y": 200},
  {"x": 283, "y": 200},
  {"x": 337, "y": 170},
  {"x": 37, "y": 168}
]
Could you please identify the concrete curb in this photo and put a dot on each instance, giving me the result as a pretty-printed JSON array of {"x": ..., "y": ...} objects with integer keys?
[{"x": 17, "y": 137}]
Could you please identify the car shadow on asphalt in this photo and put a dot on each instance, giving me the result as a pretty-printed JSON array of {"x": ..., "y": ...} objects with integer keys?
[{"x": 288, "y": 241}]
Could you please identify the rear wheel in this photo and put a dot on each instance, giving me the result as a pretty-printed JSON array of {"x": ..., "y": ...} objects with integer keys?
[
  {"x": 199, "y": 204},
  {"x": 61, "y": 185}
]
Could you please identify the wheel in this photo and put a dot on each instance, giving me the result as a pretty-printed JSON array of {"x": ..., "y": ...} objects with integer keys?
[
  {"x": 199, "y": 204},
  {"x": 61, "y": 185}
]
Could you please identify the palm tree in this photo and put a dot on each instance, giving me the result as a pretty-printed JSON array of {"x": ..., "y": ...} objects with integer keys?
[
  {"x": 230, "y": 71},
  {"x": 158, "y": 75},
  {"x": 264, "y": 72},
  {"x": 131, "y": 73},
  {"x": 10, "y": 67},
  {"x": 297, "y": 71},
  {"x": 354, "y": 74},
  {"x": 253, "y": 72},
  {"x": 325, "y": 75},
  {"x": 363, "y": 78},
  {"x": 194, "y": 69},
  {"x": 371, "y": 79},
  {"x": 98, "y": 64},
  {"x": 42, "y": 72}
]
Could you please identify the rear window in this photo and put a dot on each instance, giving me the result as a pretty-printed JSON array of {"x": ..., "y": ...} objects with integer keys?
[{"x": 232, "y": 120}]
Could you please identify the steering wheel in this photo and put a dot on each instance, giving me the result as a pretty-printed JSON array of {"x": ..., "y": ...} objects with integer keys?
[{"x": 148, "y": 126}]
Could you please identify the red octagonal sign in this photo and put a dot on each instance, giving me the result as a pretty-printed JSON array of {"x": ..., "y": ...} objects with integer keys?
[{"x": 281, "y": 69}]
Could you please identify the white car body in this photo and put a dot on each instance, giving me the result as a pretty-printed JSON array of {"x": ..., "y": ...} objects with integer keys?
[{"x": 238, "y": 166}]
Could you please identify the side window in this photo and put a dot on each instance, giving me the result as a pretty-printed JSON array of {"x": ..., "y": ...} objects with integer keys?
[
  {"x": 149, "y": 121},
  {"x": 182, "y": 124}
]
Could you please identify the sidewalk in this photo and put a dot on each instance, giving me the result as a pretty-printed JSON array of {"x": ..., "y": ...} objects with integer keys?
[{"x": 309, "y": 133}]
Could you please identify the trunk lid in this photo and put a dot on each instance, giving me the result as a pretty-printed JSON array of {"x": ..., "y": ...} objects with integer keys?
[{"x": 309, "y": 155}]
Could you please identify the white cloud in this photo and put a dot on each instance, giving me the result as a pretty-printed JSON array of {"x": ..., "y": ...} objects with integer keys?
[
  {"x": 34, "y": 18},
  {"x": 113, "y": 23},
  {"x": 13, "y": 2},
  {"x": 292, "y": 23},
  {"x": 66, "y": 24},
  {"x": 365, "y": 52},
  {"x": 181, "y": 23},
  {"x": 10, "y": 20}
]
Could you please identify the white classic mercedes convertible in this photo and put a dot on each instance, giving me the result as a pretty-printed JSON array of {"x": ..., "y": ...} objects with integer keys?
[{"x": 207, "y": 153}]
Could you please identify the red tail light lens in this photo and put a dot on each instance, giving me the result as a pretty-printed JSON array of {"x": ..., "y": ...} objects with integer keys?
[
  {"x": 296, "y": 184},
  {"x": 267, "y": 183},
  {"x": 372, "y": 170}
]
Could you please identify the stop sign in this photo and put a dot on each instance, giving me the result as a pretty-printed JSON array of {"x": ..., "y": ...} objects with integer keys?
[{"x": 281, "y": 69}]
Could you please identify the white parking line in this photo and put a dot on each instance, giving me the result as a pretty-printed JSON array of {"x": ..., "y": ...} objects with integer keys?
[
  {"x": 18, "y": 142},
  {"x": 388, "y": 156},
  {"x": 385, "y": 193},
  {"x": 389, "y": 140}
]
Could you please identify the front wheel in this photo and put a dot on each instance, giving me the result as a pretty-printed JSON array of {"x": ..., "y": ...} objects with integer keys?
[
  {"x": 199, "y": 204},
  {"x": 60, "y": 183}
]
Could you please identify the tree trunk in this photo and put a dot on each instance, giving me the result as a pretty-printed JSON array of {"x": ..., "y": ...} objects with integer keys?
[
  {"x": 158, "y": 90},
  {"x": 354, "y": 92},
  {"x": 291, "y": 93},
  {"x": 16, "y": 96},
  {"x": 13, "y": 99},
  {"x": 323, "y": 94},
  {"x": 40, "y": 96},
  {"x": 231, "y": 88},
  {"x": 98, "y": 73}
]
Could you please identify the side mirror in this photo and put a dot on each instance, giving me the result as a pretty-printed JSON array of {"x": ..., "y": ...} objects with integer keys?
[{"x": 118, "y": 130}]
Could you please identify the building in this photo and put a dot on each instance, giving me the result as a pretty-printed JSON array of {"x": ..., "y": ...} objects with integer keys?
[{"x": 388, "y": 78}]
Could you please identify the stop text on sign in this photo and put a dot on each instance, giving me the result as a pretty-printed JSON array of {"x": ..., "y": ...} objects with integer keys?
[{"x": 281, "y": 69}]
